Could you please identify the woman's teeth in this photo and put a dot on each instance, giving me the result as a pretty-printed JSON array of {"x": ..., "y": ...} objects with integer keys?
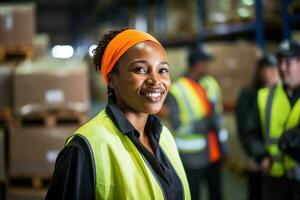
[{"x": 153, "y": 94}]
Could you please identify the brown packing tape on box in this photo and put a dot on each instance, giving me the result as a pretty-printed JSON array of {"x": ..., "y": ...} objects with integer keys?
[
  {"x": 2, "y": 156},
  {"x": 51, "y": 84},
  {"x": 33, "y": 149},
  {"x": 25, "y": 194}
]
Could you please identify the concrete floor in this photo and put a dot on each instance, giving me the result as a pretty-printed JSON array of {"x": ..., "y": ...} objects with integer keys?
[{"x": 234, "y": 187}]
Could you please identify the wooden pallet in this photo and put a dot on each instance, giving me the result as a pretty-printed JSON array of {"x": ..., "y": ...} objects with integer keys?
[
  {"x": 21, "y": 193},
  {"x": 31, "y": 182},
  {"x": 15, "y": 52},
  {"x": 52, "y": 118},
  {"x": 5, "y": 117}
]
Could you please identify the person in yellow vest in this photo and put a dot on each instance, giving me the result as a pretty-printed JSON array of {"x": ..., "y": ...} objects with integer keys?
[
  {"x": 194, "y": 106},
  {"x": 124, "y": 152},
  {"x": 266, "y": 75},
  {"x": 272, "y": 125}
]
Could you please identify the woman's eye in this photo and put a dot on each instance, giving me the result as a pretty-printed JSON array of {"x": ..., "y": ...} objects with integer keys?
[
  {"x": 141, "y": 70},
  {"x": 164, "y": 71}
]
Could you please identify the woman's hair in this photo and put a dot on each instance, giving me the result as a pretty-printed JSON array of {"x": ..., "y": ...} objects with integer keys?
[
  {"x": 268, "y": 60},
  {"x": 99, "y": 51}
]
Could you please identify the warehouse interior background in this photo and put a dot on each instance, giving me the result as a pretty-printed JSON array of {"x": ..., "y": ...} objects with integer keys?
[{"x": 48, "y": 87}]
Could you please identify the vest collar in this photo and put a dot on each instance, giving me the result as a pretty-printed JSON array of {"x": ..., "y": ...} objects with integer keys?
[{"x": 153, "y": 125}]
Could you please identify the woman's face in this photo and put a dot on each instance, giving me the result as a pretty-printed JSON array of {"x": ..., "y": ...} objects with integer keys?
[
  {"x": 270, "y": 76},
  {"x": 143, "y": 79}
]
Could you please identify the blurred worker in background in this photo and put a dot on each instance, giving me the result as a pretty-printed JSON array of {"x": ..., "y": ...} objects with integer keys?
[
  {"x": 195, "y": 108},
  {"x": 124, "y": 152},
  {"x": 266, "y": 75},
  {"x": 274, "y": 127}
]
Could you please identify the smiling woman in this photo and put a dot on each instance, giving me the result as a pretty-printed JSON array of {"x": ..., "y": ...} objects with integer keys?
[{"x": 124, "y": 152}]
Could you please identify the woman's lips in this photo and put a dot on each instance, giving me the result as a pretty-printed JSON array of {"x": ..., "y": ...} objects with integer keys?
[{"x": 153, "y": 95}]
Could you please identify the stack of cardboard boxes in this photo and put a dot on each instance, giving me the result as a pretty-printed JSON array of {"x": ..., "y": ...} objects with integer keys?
[
  {"x": 51, "y": 100},
  {"x": 17, "y": 28},
  {"x": 233, "y": 66},
  {"x": 43, "y": 101}
]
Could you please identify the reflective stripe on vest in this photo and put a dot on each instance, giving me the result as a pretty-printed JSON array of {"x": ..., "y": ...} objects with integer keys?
[
  {"x": 120, "y": 170},
  {"x": 277, "y": 116},
  {"x": 191, "y": 143}
]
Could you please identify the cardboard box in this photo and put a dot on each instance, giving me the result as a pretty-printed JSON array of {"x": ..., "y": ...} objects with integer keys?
[
  {"x": 233, "y": 66},
  {"x": 6, "y": 85},
  {"x": 180, "y": 23},
  {"x": 50, "y": 84},
  {"x": 41, "y": 45},
  {"x": 33, "y": 150},
  {"x": 2, "y": 156},
  {"x": 25, "y": 194},
  {"x": 17, "y": 24}
]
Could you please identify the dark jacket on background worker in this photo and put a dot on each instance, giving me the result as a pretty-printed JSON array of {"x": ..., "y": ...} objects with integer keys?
[
  {"x": 266, "y": 75},
  {"x": 276, "y": 115}
]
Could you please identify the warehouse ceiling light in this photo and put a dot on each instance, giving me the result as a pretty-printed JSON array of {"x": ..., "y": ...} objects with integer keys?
[
  {"x": 248, "y": 2},
  {"x": 219, "y": 17},
  {"x": 243, "y": 12},
  {"x": 62, "y": 51},
  {"x": 91, "y": 49}
]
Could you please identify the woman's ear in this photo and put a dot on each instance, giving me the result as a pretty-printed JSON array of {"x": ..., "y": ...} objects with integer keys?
[{"x": 111, "y": 80}]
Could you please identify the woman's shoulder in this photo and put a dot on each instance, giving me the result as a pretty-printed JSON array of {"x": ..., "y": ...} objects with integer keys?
[
  {"x": 97, "y": 122},
  {"x": 100, "y": 126}
]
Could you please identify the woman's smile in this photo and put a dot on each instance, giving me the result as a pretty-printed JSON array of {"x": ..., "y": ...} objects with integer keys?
[{"x": 153, "y": 95}]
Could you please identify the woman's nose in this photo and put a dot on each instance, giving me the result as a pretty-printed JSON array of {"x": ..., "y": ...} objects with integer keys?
[{"x": 153, "y": 79}]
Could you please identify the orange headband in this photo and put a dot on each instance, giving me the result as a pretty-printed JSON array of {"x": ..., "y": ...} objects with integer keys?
[{"x": 119, "y": 45}]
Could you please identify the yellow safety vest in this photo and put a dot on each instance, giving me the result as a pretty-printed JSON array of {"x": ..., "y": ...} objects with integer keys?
[
  {"x": 192, "y": 107},
  {"x": 195, "y": 104},
  {"x": 277, "y": 116},
  {"x": 121, "y": 171}
]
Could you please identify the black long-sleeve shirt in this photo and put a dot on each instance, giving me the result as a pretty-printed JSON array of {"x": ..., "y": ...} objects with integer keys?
[
  {"x": 73, "y": 176},
  {"x": 246, "y": 104},
  {"x": 253, "y": 134}
]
